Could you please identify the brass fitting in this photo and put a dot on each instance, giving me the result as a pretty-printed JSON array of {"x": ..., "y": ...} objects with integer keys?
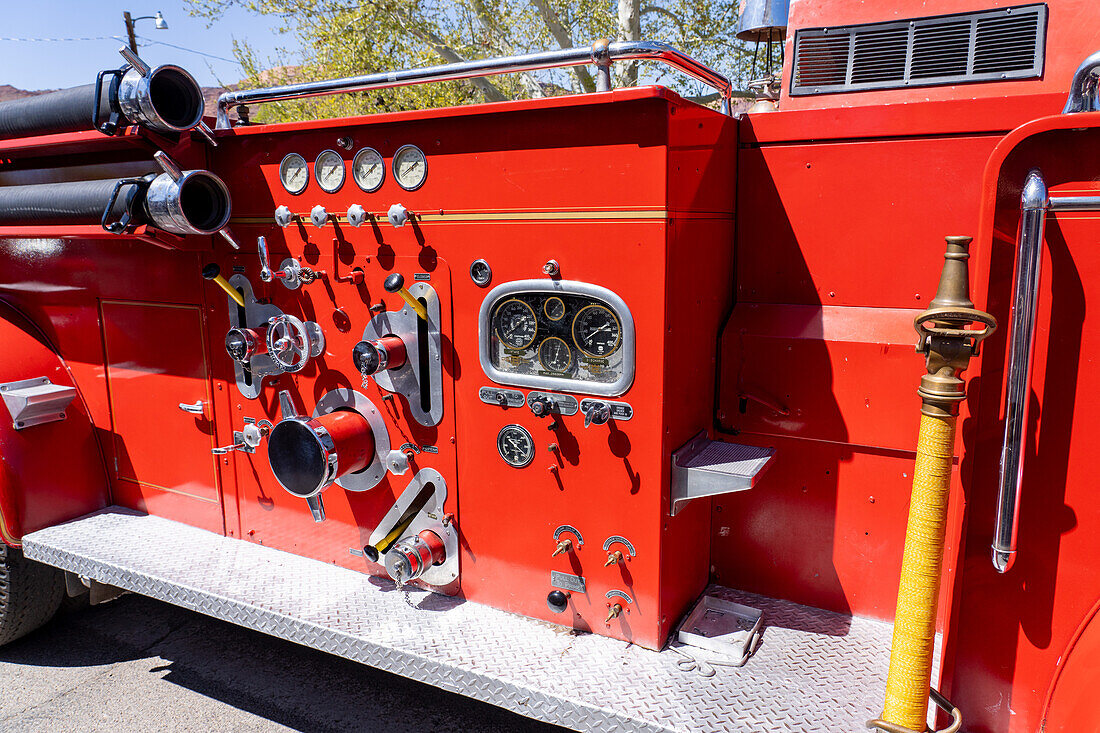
[
  {"x": 613, "y": 612},
  {"x": 562, "y": 547},
  {"x": 613, "y": 558},
  {"x": 944, "y": 337}
]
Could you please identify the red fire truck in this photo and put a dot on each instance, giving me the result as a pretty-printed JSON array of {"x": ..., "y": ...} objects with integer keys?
[{"x": 601, "y": 408}]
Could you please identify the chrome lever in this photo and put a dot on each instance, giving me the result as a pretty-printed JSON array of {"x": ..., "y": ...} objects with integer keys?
[
  {"x": 199, "y": 408},
  {"x": 228, "y": 448}
]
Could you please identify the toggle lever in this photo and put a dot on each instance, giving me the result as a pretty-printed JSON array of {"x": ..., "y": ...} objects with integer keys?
[
  {"x": 213, "y": 272},
  {"x": 613, "y": 612},
  {"x": 291, "y": 273},
  {"x": 562, "y": 547},
  {"x": 395, "y": 283}
]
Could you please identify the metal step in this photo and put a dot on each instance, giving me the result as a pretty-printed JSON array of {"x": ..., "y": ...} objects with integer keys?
[
  {"x": 704, "y": 467},
  {"x": 813, "y": 670}
]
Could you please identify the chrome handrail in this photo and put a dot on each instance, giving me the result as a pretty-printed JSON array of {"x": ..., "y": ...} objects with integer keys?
[
  {"x": 1034, "y": 204},
  {"x": 1083, "y": 89},
  {"x": 600, "y": 53}
]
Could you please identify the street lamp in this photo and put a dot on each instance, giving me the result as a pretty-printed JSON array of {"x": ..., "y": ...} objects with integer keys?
[{"x": 158, "y": 20}]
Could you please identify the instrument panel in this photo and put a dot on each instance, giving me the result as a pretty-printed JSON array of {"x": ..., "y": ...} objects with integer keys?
[{"x": 562, "y": 335}]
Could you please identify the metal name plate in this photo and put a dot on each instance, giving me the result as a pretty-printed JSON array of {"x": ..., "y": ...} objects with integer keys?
[
  {"x": 563, "y": 404},
  {"x": 501, "y": 397},
  {"x": 619, "y": 410},
  {"x": 565, "y": 581}
]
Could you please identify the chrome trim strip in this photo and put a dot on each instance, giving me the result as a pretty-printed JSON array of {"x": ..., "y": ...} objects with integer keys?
[
  {"x": 538, "y": 381},
  {"x": 595, "y": 54},
  {"x": 1021, "y": 351}
]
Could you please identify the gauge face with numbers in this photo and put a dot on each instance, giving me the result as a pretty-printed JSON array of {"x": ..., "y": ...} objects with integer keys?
[
  {"x": 596, "y": 331},
  {"x": 294, "y": 173},
  {"x": 516, "y": 446},
  {"x": 329, "y": 171},
  {"x": 410, "y": 167},
  {"x": 368, "y": 170},
  {"x": 515, "y": 324},
  {"x": 555, "y": 355}
]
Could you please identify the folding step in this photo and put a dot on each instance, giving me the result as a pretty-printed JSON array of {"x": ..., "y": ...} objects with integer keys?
[
  {"x": 704, "y": 467},
  {"x": 812, "y": 670}
]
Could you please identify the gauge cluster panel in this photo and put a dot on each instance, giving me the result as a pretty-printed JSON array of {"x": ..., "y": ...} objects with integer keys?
[{"x": 557, "y": 334}]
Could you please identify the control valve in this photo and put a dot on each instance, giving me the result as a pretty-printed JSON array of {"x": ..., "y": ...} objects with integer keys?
[
  {"x": 596, "y": 412},
  {"x": 243, "y": 343},
  {"x": 292, "y": 342}
]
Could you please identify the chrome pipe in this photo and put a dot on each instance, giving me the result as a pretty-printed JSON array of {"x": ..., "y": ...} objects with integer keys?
[
  {"x": 1074, "y": 203},
  {"x": 1021, "y": 352},
  {"x": 1083, "y": 89},
  {"x": 600, "y": 54}
]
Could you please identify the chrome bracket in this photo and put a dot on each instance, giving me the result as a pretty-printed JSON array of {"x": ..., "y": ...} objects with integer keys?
[{"x": 36, "y": 401}]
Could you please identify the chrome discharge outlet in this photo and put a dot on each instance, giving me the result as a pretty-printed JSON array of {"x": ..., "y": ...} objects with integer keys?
[{"x": 410, "y": 557}]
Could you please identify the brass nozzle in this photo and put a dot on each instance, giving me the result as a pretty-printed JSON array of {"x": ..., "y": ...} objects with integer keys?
[
  {"x": 613, "y": 612},
  {"x": 562, "y": 547},
  {"x": 613, "y": 558},
  {"x": 945, "y": 339}
]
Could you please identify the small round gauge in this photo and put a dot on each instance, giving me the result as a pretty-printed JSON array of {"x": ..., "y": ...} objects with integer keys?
[
  {"x": 481, "y": 273},
  {"x": 596, "y": 331},
  {"x": 554, "y": 308},
  {"x": 515, "y": 324},
  {"x": 410, "y": 167},
  {"x": 294, "y": 173},
  {"x": 555, "y": 355},
  {"x": 329, "y": 171},
  {"x": 368, "y": 169},
  {"x": 515, "y": 446}
]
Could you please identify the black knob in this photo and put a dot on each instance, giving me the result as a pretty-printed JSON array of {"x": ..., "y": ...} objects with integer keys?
[
  {"x": 211, "y": 271},
  {"x": 541, "y": 407},
  {"x": 557, "y": 601},
  {"x": 365, "y": 357},
  {"x": 394, "y": 282}
]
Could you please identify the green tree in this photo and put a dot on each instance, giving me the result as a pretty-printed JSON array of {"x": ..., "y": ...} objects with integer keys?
[{"x": 334, "y": 38}]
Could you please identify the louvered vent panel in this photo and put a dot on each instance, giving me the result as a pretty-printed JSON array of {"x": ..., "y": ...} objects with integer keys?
[
  {"x": 823, "y": 61},
  {"x": 991, "y": 45}
]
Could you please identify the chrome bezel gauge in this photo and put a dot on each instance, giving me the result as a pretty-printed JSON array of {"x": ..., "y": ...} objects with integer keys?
[
  {"x": 404, "y": 152},
  {"x": 521, "y": 434},
  {"x": 355, "y": 169},
  {"x": 284, "y": 164},
  {"x": 317, "y": 171}
]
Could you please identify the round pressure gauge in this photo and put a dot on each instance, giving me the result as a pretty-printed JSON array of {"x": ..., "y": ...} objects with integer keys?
[
  {"x": 516, "y": 446},
  {"x": 294, "y": 173},
  {"x": 596, "y": 331},
  {"x": 554, "y": 308},
  {"x": 516, "y": 324},
  {"x": 410, "y": 167},
  {"x": 368, "y": 170},
  {"x": 555, "y": 355},
  {"x": 328, "y": 169}
]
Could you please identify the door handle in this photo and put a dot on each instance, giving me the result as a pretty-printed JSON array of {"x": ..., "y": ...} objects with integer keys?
[{"x": 199, "y": 408}]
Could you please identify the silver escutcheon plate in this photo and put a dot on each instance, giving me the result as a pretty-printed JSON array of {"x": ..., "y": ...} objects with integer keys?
[
  {"x": 563, "y": 404},
  {"x": 406, "y": 380}
]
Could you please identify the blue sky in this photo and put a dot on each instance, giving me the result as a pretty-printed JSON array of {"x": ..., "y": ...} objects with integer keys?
[{"x": 60, "y": 64}]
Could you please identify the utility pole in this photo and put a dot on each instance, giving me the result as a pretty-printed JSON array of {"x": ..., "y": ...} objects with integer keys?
[{"x": 130, "y": 30}]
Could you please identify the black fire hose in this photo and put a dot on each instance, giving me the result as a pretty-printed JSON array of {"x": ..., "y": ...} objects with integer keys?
[
  {"x": 181, "y": 202},
  {"x": 166, "y": 99}
]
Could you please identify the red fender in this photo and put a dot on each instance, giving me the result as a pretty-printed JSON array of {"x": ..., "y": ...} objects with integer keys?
[
  {"x": 1071, "y": 701},
  {"x": 53, "y": 472}
]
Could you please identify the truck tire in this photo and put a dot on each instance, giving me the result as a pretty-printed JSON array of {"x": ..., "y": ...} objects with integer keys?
[{"x": 30, "y": 594}]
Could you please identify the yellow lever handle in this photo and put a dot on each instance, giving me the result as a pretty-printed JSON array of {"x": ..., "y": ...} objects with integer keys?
[
  {"x": 213, "y": 272},
  {"x": 395, "y": 283}
]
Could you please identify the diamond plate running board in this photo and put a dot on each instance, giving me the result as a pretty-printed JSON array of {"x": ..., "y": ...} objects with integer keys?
[{"x": 814, "y": 670}]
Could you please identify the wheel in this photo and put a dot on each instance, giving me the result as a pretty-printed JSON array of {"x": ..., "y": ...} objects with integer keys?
[{"x": 30, "y": 594}]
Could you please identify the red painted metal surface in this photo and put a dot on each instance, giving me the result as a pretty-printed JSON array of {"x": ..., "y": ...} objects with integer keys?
[{"x": 789, "y": 327}]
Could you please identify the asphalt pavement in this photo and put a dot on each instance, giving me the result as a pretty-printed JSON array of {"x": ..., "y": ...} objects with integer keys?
[{"x": 136, "y": 664}]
